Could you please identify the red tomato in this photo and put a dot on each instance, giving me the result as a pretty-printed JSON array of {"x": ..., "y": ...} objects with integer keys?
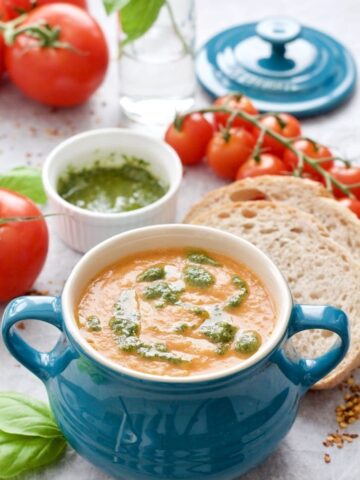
[
  {"x": 347, "y": 176},
  {"x": 283, "y": 124},
  {"x": 226, "y": 154},
  {"x": 2, "y": 52},
  {"x": 351, "y": 203},
  {"x": 23, "y": 245},
  {"x": 267, "y": 164},
  {"x": 235, "y": 102},
  {"x": 59, "y": 76},
  {"x": 313, "y": 150},
  {"x": 191, "y": 140},
  {"x": 2, "y": 11},
  {"x": 13, "y": 8}
]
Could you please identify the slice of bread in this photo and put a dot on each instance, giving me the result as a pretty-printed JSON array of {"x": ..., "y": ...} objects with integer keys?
[
  {"x": 312, "y": 197},
  {"x": 318, "y": 270}
]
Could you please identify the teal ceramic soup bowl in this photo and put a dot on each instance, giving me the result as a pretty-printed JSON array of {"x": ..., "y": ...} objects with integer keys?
[{"x": 138, "y": 426}]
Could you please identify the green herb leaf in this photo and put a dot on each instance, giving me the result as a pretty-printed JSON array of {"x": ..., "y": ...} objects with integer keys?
[
  {"x": 112, "y": 6},
  {"x": 137, "y": 16},
  {"x": 29, "y": 435},
  {"x": 25, "y": 180},
  {"x": 20, "y": 453},
  {"x": 22, "y": 415}
]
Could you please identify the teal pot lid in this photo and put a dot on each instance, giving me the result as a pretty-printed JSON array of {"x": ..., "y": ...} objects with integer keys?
[{"x": 280, "y": 65}]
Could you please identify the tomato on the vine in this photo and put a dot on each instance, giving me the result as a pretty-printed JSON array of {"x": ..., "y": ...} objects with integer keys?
[
  {"x": 314, "y": 150},
  {"x": 235, "y": 102},
  {"x": 284, "y": 124},
  {"x": 228, "y": 150},
  {"x": 266, "y": 164},
  {"x": 348, "y": 176},
  {"x": 2, "y": 53},
  {"x": 189, "y": 137},
  {"x": 23, "y": 245},
  {"x": 68, "y": 69},
  {"x": 11, "y": 9},
  {"x": 352, "y": 203}
]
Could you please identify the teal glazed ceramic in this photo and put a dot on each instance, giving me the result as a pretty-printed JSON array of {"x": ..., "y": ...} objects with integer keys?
[
  {"x": 138, "y": 426},
  {"x": 280, "y": 65}
]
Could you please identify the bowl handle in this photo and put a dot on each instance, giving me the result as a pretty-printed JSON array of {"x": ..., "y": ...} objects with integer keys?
[
  {"x": 307, "y": 372},
  {"x": 48, "y": 309}
]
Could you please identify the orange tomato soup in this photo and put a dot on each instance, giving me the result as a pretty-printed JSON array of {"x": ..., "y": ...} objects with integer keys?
[{"x": 176, "y": 312}]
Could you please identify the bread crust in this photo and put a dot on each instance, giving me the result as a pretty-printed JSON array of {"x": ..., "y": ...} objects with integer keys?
[
  {"x": 309, "y": 196},
  {"x": 318, "y": 270}
]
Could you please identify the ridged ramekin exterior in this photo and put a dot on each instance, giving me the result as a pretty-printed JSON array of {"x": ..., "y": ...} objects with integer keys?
[{"x": 82, "y": 233}]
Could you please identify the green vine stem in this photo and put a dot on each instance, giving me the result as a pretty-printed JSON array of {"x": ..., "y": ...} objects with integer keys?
[
  {"x": 258, "y": 145},
  {"x": 330, "y": 181},
  {"x": 177, "y": 30},
  {"x": 46, "y": 35},
  {"x": 6, "y": 220}
]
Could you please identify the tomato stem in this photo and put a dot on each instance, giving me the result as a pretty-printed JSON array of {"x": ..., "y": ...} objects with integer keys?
[
  {"x": 6, "y": 220},
  {"x": 46, "y": 35},
  {"x": 225, "y": 133},
  {"x": 280, "y": 121},
  {"x": 178, "y": 122},
  {"x": 258, "y": 145},
  {"x": 330, "y": 181},
  {"x": 187, "y": 48}
]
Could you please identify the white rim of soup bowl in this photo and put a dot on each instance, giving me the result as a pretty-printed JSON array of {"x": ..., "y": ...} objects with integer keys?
[
  {"x": 282, "y": 317},
  {"x": 168, "y": 151}
]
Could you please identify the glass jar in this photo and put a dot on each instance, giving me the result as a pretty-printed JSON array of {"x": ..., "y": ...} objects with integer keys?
[{"x": 156, "y": 71}]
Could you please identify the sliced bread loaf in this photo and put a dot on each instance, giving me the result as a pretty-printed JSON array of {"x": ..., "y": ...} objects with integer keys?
[
  {"x": 318, "y": 270},
  {"x": 312, "y": 197}
]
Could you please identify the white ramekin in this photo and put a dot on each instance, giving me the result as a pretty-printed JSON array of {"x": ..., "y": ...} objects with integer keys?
[{"x": 82, "y": 229}]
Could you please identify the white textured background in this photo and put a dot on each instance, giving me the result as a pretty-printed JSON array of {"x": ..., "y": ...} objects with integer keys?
[{"x": 29, "y": 131}]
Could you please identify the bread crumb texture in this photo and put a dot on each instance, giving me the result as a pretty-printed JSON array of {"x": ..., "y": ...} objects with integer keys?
[{"x": 319, "y": 270}]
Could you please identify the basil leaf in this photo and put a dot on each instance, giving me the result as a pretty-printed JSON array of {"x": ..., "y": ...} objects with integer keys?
[
  {"x": 22, "y": 415},
  {"x": 25, "y": 180},
  {"x": 112, "y": 6},
  {"x": 138, "y": 16},
  {"x": 20, "y": 453}
]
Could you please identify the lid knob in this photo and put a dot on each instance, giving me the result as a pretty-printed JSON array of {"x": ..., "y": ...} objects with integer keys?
[{"x": 278, "y": 31}]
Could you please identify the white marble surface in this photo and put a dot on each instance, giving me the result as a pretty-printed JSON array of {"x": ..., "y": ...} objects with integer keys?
[{"x": 28, "y": 131}]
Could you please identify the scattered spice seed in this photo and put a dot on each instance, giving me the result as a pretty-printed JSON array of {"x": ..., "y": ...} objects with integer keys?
[
  {"x": 348, "y": 412},
  {"x": 327, "y": 458},
  {"x": 338, "y": 439}
]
